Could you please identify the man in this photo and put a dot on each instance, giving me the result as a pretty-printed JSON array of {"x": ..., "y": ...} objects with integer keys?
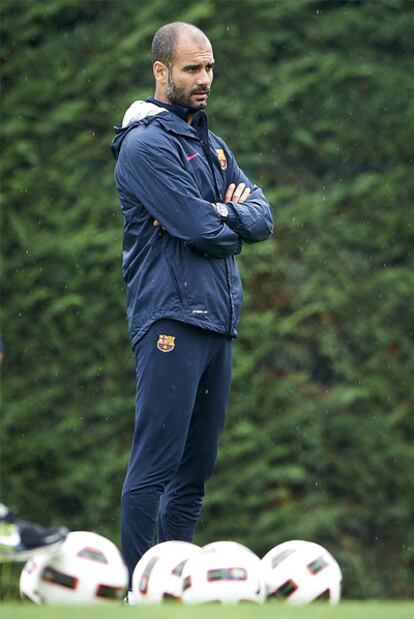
[{"x": 187, "y": 208}]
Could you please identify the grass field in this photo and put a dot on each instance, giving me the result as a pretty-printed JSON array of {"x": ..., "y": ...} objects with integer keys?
[{"x": 345, "y": 610}]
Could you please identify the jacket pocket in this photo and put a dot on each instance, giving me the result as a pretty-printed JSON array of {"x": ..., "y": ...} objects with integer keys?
[{"x": 175, "y": 280}]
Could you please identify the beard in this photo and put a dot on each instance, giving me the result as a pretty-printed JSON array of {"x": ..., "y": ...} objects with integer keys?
[{"x": 177, "y": 95}]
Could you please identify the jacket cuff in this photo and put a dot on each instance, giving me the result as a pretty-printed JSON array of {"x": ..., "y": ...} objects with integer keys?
[{"x": 232, "y": 218}]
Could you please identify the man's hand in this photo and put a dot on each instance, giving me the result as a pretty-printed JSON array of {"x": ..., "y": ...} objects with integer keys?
[{"x": 236, "y": 194}]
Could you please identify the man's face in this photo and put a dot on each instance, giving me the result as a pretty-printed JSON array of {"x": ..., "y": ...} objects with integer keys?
[{"x": 191, "y": 74}]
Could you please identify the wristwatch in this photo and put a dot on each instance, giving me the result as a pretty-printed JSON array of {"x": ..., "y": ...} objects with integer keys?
[{"x": 222, "y": 210}]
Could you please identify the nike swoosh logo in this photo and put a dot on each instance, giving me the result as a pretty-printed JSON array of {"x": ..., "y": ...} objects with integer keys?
[{"x": 189, "y": 157}]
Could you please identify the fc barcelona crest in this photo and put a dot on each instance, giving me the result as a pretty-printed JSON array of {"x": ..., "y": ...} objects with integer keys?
[
  {"x": 222, "y": 158},
  {"x": 166, "y": 343}
]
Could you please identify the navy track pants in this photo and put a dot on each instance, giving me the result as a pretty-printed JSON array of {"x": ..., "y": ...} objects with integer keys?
[{"x": 183, "y": 387}]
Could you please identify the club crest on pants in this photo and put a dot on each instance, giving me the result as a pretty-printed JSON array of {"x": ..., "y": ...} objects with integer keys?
[{"x": 166, "y": 343}]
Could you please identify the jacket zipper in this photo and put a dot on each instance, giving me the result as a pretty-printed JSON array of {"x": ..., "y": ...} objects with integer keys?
[
  {"x": 227, "y": 260},
  {"x": 207, "y": 151}
]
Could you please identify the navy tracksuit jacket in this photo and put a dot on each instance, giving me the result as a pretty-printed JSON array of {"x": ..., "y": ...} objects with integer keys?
[{"x": 184, "y": 297}]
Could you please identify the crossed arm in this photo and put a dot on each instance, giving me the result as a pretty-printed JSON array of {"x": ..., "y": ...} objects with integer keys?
[
  {"x": 157, "y": 179},
  {"x": 233, "y": 194}
]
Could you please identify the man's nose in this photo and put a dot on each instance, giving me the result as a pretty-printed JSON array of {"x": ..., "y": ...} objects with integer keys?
[{"x": 204, "y": 78}]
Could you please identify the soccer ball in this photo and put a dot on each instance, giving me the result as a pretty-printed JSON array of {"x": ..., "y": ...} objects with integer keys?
[
  {"x": 86, "y": 569},
  {"x": 301, "y": 572},
  {"x": 226, "y": 574},
  {"x": 157, "y": 575}
]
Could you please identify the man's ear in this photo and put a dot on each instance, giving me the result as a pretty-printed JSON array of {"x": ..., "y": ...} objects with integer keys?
[{"x": 160, "y": 71}]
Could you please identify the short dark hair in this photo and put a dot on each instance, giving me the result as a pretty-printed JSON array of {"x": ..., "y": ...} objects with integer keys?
[{"x": 165, "y": 40}]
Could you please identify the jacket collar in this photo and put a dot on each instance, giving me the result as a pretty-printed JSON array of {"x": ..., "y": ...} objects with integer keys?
[
  {"x": 178, "y": 110},
  {"x": 199, "y": 124}
]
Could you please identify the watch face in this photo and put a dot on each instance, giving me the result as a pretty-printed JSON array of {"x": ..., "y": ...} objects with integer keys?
[{"x": 222, "y": 210}]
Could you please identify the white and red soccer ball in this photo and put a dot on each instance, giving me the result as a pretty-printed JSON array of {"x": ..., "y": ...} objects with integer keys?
[
  {"x": 158, "y": 574},
  {"x": 300, "y": 572},
  {"x": 86, "y": 569},
  {"x": 225, "y": 572}
]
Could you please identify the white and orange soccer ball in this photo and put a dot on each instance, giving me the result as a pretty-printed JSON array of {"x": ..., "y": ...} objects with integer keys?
[
  {"x": 300, "y": 572},
  {"x": 224, "y": 572},
  {"x": 86, "y": 569},
  {"x": 157, "y": 575}
]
